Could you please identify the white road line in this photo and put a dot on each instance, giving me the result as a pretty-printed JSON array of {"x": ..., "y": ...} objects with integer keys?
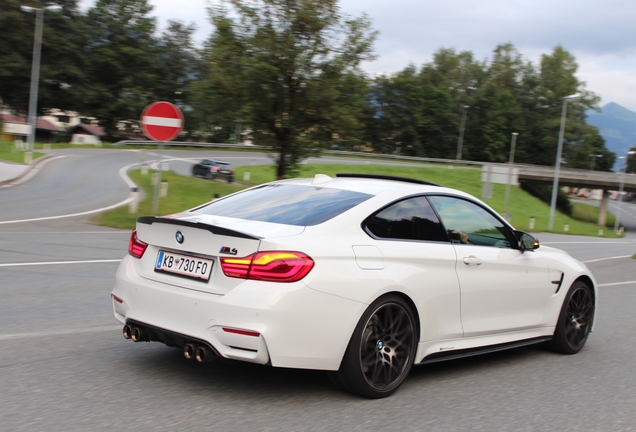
[
  {"x": 59, "y": 332},
  {"x": 608, "y": 258},
  {"x": 36, "y": 169},
  {"x": 122, "y": 174},
  {"x": 59, "y": 263},
  {"x": 99, "y": 210},
  {"x": 590, "y": 242},
  {"x": 126, "y": 232},
  {"x": 617, "y": 283}
]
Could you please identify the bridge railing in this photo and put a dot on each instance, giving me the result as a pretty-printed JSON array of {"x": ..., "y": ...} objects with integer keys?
[{"x": 571, "y": 173}]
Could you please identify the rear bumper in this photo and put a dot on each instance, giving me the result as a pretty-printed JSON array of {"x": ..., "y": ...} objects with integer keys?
[{"x": 297, "y": 327}]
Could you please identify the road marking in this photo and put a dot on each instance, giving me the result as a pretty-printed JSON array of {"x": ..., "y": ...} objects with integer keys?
[
  {"x": 591, "y": 242},
  {"x": 59, "y": 263},
  {"x": 617, "y": 283},
  {"x": 59, "y": 332},
  {"x": 608, "y": 258},
  {"x": 127, "y": 232},
  {"x": 103, "y": 209},
  {"x": 122, "y": 174},
  {"x": 33, "y": 171}
]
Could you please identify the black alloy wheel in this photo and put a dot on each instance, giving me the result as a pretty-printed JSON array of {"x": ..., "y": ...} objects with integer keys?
[
  {"x": 575, "y": 320},
  {"x": 381, "y": 351}
]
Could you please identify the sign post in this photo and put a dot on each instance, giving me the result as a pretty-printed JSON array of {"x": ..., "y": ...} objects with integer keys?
[{"x": 161, "y": 122}]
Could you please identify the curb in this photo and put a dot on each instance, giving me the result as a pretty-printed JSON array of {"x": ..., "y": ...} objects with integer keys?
[{"x": 32, "y": 166}]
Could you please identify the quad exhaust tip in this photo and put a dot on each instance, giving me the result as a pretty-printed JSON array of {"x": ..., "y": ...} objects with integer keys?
[
  {"x": 138, "y": 334},
  {"x": 189, "y": 351},
  {"x": 203, "y": 354}
]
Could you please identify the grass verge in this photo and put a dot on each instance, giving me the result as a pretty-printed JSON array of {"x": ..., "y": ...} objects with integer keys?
[
  {"x": 8, "y": 153},
  {"x": 183, "y": 193},
  {"x": 189, "y": 192}
]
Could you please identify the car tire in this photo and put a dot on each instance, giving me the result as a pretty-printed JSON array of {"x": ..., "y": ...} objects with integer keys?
[
  {"x": 575, "y": 320},
  {"x": 381, "y": 351}
]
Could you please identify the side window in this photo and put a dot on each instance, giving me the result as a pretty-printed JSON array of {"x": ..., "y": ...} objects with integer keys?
[
  {"x": 410, "y": 219},
  {"x": 468, "y": 223}
]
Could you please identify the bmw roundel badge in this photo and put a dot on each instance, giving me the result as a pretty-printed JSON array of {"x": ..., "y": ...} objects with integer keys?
[{"x": 179, "y": 237}]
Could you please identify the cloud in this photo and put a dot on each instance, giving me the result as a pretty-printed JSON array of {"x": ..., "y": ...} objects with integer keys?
[{"x": 600, "y": 34}]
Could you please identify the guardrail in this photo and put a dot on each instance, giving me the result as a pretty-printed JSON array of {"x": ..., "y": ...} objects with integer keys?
[
  {"x": 541, "y": 173},
  {"x": 325, "y": 151}
]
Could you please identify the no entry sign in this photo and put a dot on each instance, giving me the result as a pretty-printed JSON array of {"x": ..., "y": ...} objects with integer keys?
[{"x": 161, "y": 121}]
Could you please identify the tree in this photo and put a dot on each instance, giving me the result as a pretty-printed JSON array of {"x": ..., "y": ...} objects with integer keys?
[
  {"x": 62, "y": 57},
  {"x": 289, "y": 70},
  {"x": 396, "y": 100},
  {"x": 178, "y": 66},
  {"x": 122, "y": 65},
  {"x": 557, "y": 80},
  {"x": 496, "y": 103},
  {"x": 631, "y": 161}
]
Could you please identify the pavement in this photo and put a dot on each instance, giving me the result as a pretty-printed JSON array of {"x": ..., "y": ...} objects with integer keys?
[
  {"x": 10, "y": 171},
  {"x": 13, "y": 173}
]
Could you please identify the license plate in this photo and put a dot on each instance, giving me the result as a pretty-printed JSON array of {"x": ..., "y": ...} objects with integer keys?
[{"x": 184, "y": 265}]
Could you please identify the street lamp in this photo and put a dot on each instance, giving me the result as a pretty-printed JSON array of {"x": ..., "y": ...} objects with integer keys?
[
  {"x": 620, "y": 191},
  {"x": 593, "y": 158},
  {"x": 460, "y": 140},
  {"x": 35, "y": 71},
  {"x": 557, "y": 164},
  {"x": 513, "y": 143}
]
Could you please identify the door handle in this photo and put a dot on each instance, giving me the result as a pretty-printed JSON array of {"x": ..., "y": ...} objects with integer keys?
[{"x": 472, "y": 261}]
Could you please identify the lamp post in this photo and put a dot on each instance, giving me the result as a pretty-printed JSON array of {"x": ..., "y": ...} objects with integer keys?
[
  {"x": 35, "y": 72},
  {"x": 593, "y": 158},
  {"x": 513, "y": 143},
  {"x": 620, "y": 190},
  {"x": 460, "y": 140},
  {"x": 557, "y": 164}
]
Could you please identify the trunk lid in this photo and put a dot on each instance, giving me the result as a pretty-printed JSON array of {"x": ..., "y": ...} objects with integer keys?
[{"x": 202, "y": 238}]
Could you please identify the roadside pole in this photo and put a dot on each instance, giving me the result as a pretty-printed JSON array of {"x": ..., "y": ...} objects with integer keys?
[{"x": 160, "y": 122}]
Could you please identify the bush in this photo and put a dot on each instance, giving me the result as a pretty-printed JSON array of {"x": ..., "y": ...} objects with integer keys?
[{"x": 544, "y": 193}]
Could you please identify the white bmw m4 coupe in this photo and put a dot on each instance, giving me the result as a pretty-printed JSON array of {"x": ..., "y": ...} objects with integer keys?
[{"x": 359, "y": 275}]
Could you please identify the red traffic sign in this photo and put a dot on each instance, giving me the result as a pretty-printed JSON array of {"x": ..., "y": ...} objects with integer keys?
[{"x": 161, "y": 121}]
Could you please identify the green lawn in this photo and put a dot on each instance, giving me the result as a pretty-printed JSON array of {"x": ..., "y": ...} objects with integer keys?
[
  {"x": 188, "y": 192},
  {"x": 8, "y": 153},
  {"x": 589, "y": 213},
  {"x": 183, "y": 193}
]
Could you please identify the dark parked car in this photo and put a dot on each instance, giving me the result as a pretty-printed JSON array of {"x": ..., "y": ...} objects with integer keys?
[{"x": 213, "y": 169}]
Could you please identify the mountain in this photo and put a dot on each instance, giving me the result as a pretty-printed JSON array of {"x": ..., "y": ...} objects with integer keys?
[{"x": 617, "y": 125}]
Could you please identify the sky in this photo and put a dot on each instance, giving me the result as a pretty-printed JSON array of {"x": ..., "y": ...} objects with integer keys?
[{"x": 601, "y": 34}]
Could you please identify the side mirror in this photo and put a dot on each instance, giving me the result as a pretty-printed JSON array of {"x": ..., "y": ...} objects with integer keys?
[{"x": 526, "y": 241}]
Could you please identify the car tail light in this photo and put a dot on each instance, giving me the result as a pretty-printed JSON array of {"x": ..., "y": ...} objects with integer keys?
[
  {"x": 274, "y": 266},
  {"x": 136, "y": 247}
]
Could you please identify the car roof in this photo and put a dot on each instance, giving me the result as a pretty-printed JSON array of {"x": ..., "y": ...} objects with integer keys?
[{"x": 373, "y": 184}]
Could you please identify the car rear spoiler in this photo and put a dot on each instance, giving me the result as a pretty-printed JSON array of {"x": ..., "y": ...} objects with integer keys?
[{"x": 149, "y": 220}]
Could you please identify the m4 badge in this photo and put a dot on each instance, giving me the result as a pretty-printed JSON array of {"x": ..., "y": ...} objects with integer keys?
[{"x": 228, "y": 250}]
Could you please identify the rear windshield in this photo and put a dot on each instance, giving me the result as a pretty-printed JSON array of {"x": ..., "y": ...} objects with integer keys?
[{"x": 286, "y": 204}]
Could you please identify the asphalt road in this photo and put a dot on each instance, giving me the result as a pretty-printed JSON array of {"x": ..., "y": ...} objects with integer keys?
[{"x": 65, "y": 366}]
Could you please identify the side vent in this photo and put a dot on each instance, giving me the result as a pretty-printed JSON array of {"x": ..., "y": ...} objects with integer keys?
[{"x": 559, "y": 282}]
